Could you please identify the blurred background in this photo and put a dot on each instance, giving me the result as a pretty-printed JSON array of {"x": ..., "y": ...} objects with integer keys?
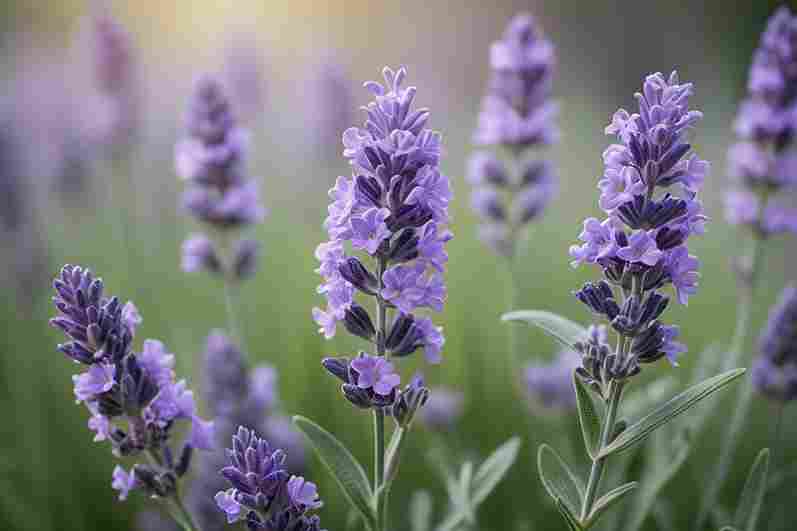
[{"x": 296, "y": 69}]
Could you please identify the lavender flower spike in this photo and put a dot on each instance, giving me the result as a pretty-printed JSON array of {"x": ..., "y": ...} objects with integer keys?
[
  {"x": 212, "y": 161},
  {"x": 442, "y": 410},
  {"x": 394, "y": 209},
  {"x": 775, "y": 370},
  {"x": 519, "y": 114},
  {"x": 762, "y": 163},
  {"x": 262, "y": 492},
  {"x": 649, "y": 194},
  {"x": 133, "y": 398}
]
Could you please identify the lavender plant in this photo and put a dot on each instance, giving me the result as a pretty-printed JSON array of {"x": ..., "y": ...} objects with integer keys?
[
  {"x": 761, "y": 165},
  {"x": 394, "y": 209},
  {"x": 517, "y": 115},
  {"x": 649, "y": 195},
  {"x": 551, "y": 385},
  {"x": 211, "y": 159},
  {"x": 132, "y": 397}
]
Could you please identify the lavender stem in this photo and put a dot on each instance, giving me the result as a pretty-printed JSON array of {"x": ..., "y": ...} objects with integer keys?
[{"x": 379, "y": 414}]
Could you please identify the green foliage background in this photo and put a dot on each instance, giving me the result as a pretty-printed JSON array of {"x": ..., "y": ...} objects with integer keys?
[{"x": 53, "y": 477}]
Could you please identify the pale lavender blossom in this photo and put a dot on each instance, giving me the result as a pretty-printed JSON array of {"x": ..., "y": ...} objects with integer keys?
[
  {"x": 518, "y": 114},
  {"x": 375, "y": 372}
]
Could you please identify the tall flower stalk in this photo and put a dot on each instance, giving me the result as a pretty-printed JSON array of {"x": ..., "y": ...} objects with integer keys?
[
  {"x": 133, "y": 397},
  {"x": 649, "y": 195},
  {"x": 518, "y": 116},
  {"x": 212, "y": 160},
  {"x": 762, "y": 164},
  {"x": 394, "y": 209}
]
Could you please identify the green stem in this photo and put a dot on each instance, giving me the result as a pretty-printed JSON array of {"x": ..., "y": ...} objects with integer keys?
[
  {"x": 181, "y": 514},
  {"x": 596, "y": 472},
  {"x": 379, "y": 415}
]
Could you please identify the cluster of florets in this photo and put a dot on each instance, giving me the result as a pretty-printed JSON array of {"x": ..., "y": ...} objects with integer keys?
[
  {"x": 263, "y": 493},
  {"x": 372, "y": 382},
  {"x": 517, "y": 113},
  {"x": 649, "y": 194},
  {"x": 211, "y": 159},
  {"x": 236, "y": 396},
  {"x": 550, "y": 385},
  {"x": 394, "y": 209},
  {"x": 133, "y": 398},
  {"x": 763, "y": 162},
  {"x": 775, "y": 370}
]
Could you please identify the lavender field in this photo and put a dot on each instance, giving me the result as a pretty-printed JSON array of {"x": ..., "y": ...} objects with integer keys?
[{"x": 293, "y": 266}]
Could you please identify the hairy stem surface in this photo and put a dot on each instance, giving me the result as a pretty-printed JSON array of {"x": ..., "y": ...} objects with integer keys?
[{"x": 596, "y": 472}]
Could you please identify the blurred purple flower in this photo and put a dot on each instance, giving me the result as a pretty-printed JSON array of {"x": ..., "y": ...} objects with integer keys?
[{"x": 443, "y": 409}]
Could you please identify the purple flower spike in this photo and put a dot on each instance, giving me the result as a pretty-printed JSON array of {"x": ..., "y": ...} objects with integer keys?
[
  {"x": 211, "y": 159},
  {"x": 519, "y": 114},
  {"x": 649, "y": 193},
  {"x": 394, "y": 210},
  {"x": 132, "y": 397},
  {"x": 262, "y": 491},
  {"x": 762, "y": 164}
]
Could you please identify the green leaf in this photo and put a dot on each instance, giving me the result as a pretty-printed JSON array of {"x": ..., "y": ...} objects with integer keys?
[
  {"x": 572, "y": 522},
  {"x": 640, "y": 430},
  {"x": 668, "y": 453},
  {"x": 589, "y": 417},
  {"x": 563, "y": 330},
  {"x": 493, "y": 470},
  {"x": 558, "y": 480},
  {"x": 607, "y": 500},
  {"x": 728, "y": 528},
  {"x": 421, "y": 511},
  {"x": 345, "y": 469},
  {"x": 752, "y": 498}
]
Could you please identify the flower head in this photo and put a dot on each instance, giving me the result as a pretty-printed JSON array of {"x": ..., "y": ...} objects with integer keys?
[
  {"x": 762, "y": 163},
  {"x": 394, "y": 209},
  {"x": 133, "y": 398},
  {"x": 519, "y": 114},
  {"x": 262, "y": 491},
  {"x": 649, "y": 194},
  {"x": 211, "y": 159}
]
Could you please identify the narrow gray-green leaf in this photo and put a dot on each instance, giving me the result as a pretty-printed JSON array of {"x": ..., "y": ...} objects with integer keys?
[
  {"x": 640, "y": 430},
  {"x": 589, "y": 417},
  {"x": 752, "y": 498},
  {"x": 668, "y": 452},
  {"x": 560, "y": 328},
  {"x": 572, "y": 522},
  {"x": 493, "y": 469},
  {"x": 607, "y": 500},
  {"x": 728, "y": 528},
  {"x": 345, "y": 469},
  {"x": 421, "y": 511},
  {"x": 558, "y": 480}
]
